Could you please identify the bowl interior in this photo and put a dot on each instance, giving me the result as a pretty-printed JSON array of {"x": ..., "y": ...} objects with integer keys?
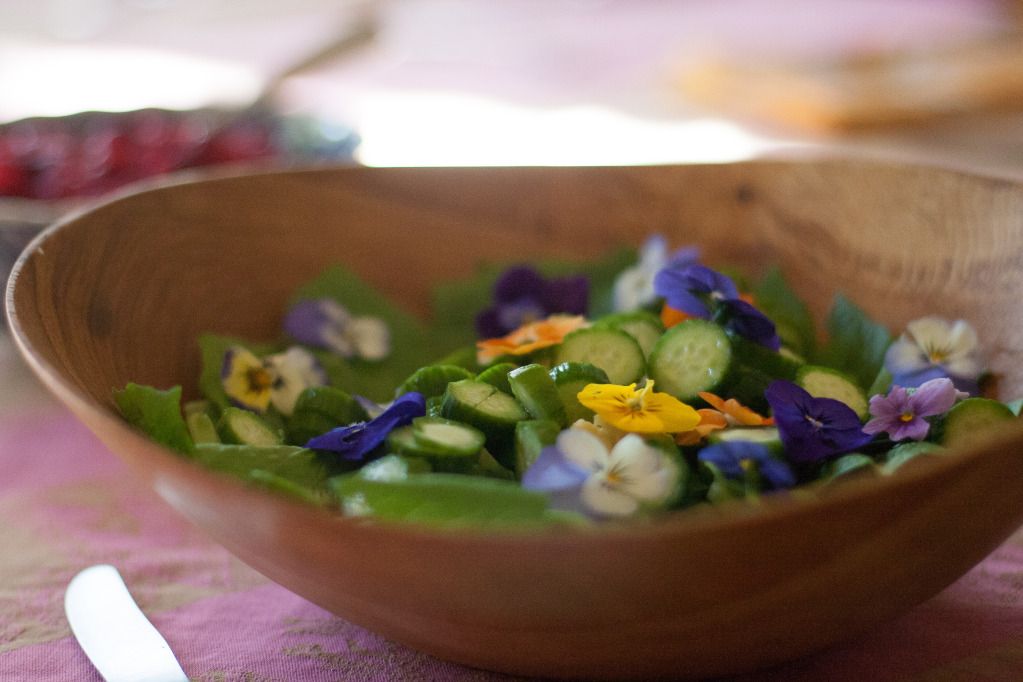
[{"x": 120, "y": 294}]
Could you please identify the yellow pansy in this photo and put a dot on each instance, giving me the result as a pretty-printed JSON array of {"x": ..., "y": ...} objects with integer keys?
[{"x": 639, "y": 411}]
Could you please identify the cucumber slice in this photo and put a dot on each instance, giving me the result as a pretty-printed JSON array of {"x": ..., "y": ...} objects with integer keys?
[
  {"x": 490, "y": 410},
  {"x": 855, "y": 464},
  {"x": 693, "y": 356},
  {"x": 432, "y": 380},
  {"x": 320, "y": 409},
  {"x": 612, "y": 350},
  {"x": 536, "y": 391},
  {"x": 825, "y": 382},
  {"x": 201, "y": 428},
  {"x": 531, "y": 437},
  {"x": 572, "y": 377},
  {"x": 445, "y": 445},
  {"x": 489, "y": 467},
  {"x": 765, "y": 435},
  {"x": 196, "y": 407},
  {"x": 434, "y": 405},
  {"x": 645, "y": 327},
  {"x": 972, "y": 417},
  {"x": 497, "y": 375},
  {"x": 242, "y": 427},
  {"x": 444, "y": 500}
]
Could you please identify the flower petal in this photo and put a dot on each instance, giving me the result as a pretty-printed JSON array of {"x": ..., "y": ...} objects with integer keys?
[
  {"x": 552, "y": 472},
  {"x": 915, "y": 429},
  {"x": 518, "y": 282},
  {"x": 358, "y": 441},
  {"x": 607, "y": 500},
  {"x": 904, "y": 356},
  {"x": 746, "y": 321},
  {"x": 583, "y": 449},
  {"x": 674, "y": 286},
  {"x": 936, "y": 396},
  {"x": 371, "y": 337},
  {"x": 246, "y": 382}
]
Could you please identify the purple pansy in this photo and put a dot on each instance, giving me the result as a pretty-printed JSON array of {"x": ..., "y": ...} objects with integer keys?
[
  {"x": 357, "y": 441},
  {"x": 732, "y": 457},
  {"x": 522, "y": 295},
  {"x": 813, "y": 429},
  {"x": 701, "y": 292},
  {"x": 634, "y": 286},
  {"x": 902, "y": 413},
  {"x": 325, "y": 323},
  {"x": 688, "y": 288}
]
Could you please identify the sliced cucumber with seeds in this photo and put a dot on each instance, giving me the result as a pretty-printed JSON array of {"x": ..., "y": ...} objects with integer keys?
[
  {"x": 612, "y": 350},
  {"x": 645, "y": 327},
  {"x": 434, "y": 404},
  {"x": 972, "y": 417},
  {"x": 490, "y": 410},
  {"x": 531, "y": 437},
  {"x": 241, "y": 427},
  {"x": 693, "y": 356},
  {"x": 536, "y": 391},
  {"x": 765, "y": 435},
  {"x": 572, "y": 377},
  {"x": 825, "y": 382},
  {"x": 446, "y": 445},
  {"x": 201, "y": 428},
  {"x": 432, "y": 380},
  {"x": 497, "y": 375}
]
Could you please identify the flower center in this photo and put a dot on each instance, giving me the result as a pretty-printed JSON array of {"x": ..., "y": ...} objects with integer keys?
[
  {"x": 259, "y": 379},
  {"x": 936, "y": 354},
  {"x": 906, "y": 417},
  {"x": 816, "y": 423}
]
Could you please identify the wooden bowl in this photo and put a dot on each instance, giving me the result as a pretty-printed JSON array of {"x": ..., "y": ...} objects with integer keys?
[{"x": 120, "y": 293}]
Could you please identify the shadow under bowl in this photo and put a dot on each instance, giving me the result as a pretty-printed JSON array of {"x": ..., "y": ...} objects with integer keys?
[{"x": 120, "y": 293}]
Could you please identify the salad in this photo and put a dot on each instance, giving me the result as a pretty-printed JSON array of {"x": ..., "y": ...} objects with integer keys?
[{"x": 553, "y": 393}]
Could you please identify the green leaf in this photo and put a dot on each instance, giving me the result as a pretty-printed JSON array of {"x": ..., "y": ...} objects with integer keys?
[
  {"x": 302, "y": 467},
  {"x": 157, "y": 413},
  {"x": 447, "y": 500},
  {"x": 776, "y": 299},
  {"x": 411, "y": 345},
  {"x": 856, "y": 343}
]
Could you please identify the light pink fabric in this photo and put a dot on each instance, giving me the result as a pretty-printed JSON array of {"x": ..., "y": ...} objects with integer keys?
[{"x": 66, "y": 503}]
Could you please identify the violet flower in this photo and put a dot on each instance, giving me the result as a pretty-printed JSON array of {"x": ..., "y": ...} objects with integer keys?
[
  {"x": 902, "y": 413},
  {"x": 813, "y": 429},
  {"x": 733, "y": 457},
  {"x": 522, "y": 295},
  {"x": 634, "y": 286},
  {"x": 931, "y": 348},
  {"x": 325, "y": 323},
  {"x": 357, "y": 441},
  {"x": 701, "y": 292}
]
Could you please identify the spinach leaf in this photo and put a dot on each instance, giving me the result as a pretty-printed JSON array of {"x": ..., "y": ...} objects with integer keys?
[
  {"x": 157, "y": 413},
  {"x": 856, "y": 343}
]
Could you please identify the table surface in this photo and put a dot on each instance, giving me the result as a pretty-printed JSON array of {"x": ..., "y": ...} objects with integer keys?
[{"x": 66, "y": 503}]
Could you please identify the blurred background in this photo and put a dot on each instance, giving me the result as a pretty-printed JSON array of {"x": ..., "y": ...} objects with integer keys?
[{"x": 506, "y": 82}]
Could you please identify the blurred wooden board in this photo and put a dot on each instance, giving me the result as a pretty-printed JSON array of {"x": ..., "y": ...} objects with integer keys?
[{"x": 869, "y": 90}]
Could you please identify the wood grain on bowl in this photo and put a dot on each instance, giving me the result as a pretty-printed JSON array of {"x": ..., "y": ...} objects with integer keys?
[{"x": 121, "y": 292}]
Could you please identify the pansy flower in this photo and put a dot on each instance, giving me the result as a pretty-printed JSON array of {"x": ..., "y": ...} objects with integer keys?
[
  {"x": 522, "y": 295},
  {"x": 634, "y": 286},
  {"x": 357, "y": 441},
  {"x": 735, "y": 458},
  {"x": 325, "y": 323},
  {"x": 721, "y": 414},
  {"x": 529, "y": 337},
  {"x": 278, "y": 379},
  {"x": 902, "y": 413},
  {"x": 932, "y": 347},
  {"x": 638, "y": 411},
  {"x": 698, "y": 291},
  {"x": 813, "y": 429},
  {"x": 582, "y": 474}
]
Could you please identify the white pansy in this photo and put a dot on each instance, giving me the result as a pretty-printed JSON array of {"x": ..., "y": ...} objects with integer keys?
[
  {"x": 934, "y": 341},
  {"x": 291, "y": 372},
  {"x": 634, "y": 287}
]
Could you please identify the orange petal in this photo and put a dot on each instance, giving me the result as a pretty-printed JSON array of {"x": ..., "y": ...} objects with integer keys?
[{"x": 671, "y": 316}]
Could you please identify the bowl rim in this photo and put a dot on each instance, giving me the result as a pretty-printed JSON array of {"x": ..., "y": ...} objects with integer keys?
[{"x": 766, "y": 510}]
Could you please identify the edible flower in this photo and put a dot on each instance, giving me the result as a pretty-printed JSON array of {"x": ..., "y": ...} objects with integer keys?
[
  {"x": 582, "y": 474},
  {"x": 357, "y": 441},
  {"x": 735, "y": 458},
  {"x": 902, "y": 413},
  {"x": 522, "y": 295},
  {"x": 698, "y": 291},
  {"x": 639, "y": 411},
  {"x": 529, "y": 337},
  {"x": 721, "y": 415},
  {"x": 325, "y": 323},
  {"x": 278, "y": 379},
  {"x": 933, "y": 347},
  {"x": 813, "y": 429},
  {"x": 634, "y": 286}
]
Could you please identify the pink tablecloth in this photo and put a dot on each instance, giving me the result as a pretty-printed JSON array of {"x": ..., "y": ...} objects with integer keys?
[{"x": 66, "y": 503}]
